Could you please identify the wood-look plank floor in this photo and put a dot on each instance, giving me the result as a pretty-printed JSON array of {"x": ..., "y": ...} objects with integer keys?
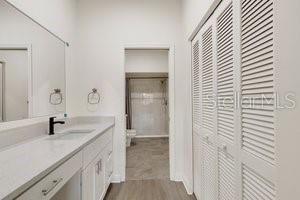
[
  {"x": 147, "y": 174},
  {"x": 148, "y": 159},
  {"x": 148, "y": 190}
]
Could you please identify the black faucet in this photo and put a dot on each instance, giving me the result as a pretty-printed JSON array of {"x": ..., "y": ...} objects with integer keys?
[{"x": 52, "y": 123}]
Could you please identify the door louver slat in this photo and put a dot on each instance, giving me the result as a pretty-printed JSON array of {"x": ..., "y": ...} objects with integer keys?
[
  {"x": 256, "y": 187},
  {"x": 226, "y": 176},
  {"x": 225, "y": 73},
  {"x": 208, "y": 172},
  {"x": 258, "y": 79},
  {"x": 196, "y": 86},
  {"x": 207, "y": 80}
]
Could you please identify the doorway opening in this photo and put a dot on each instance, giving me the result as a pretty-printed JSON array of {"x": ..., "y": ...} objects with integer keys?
[
  {"x": 147, "y": 126},
  {"x": 149, "y": 109}
]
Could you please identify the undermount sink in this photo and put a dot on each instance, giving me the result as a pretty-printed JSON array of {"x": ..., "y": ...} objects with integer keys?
[
  {"x": 71, "y": 134},
  {"x": 79, "y": 131}
]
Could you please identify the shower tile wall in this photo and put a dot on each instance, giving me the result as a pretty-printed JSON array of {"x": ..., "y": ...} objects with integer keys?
[{"x": 149, "y": 103}]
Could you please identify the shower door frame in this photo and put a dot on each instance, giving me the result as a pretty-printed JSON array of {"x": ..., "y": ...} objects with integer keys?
[{"x": 174, "y": 171}]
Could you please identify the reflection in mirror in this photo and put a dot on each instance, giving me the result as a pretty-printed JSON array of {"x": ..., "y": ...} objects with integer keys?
[
  {"x": 32, "y": 68},
  {"x": 14, "y": 83}
]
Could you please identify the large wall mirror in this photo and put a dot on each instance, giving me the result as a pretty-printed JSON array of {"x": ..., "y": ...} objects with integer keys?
[{"x": 32, "y": 68}]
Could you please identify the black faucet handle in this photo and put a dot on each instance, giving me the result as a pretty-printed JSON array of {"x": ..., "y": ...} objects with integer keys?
[{"x": 51, "y": 119}]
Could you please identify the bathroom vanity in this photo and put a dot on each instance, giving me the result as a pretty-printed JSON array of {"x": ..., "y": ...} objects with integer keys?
[{"x": 76, "y": 163}]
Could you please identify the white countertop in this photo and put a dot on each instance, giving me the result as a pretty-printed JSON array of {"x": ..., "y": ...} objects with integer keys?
[{"x": 23, "y": 165}]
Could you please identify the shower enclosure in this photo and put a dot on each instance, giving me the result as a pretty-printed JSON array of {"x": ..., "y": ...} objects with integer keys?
[{"x": 147, "y": 106}]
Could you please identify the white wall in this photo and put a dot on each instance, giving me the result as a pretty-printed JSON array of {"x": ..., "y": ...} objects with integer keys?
[
  {"x": 104, "y": 29},
  {"x": 147, "y": 61},
  {"x": 286, "y": 75},
  {"x": 193, "y": 12}
]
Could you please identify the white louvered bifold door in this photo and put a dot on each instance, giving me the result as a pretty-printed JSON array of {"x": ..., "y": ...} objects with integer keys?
[
  {"x": 255, "y": 186},
  {"x": 236, "y": 68},
  {"x": 226, "y": 103},
  {"x": 208, "y": 113},
  {"x": 196, "y": 117},
  {"x": 207, "y": 80},
  {"x": 257, "y": 79},
  {"x": 196, "y": 87},
  {"x": 208, "y": 124},
  {"x": 225, "y": 89},
  {"x": 257, "y": 93},
  {"x": 226, "y": 178},
  {"x": 208, "y": 171}
]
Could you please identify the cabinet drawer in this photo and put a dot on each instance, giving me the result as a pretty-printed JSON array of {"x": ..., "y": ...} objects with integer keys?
[
  {"x": 93, "y": 149},
  {"x": 53, "y": 182}
]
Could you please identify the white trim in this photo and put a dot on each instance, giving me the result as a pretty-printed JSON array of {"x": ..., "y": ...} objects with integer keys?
[
  {"x": 152, "y": 136},
  {"x": 172, "y": 134},
  {"x": 116, "y": 178},
  {"x": 147, "y": 47},
  {"x": 204, "y": 19},
  {"x": 2, "y": 65},
  {"x": 188, "y": 187}
]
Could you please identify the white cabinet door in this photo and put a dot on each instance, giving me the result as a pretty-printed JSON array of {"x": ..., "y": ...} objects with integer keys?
[{"x": 93, "y": 182}]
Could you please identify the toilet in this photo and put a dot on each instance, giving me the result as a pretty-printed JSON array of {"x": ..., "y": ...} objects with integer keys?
[{"x": 130, "y": 134}]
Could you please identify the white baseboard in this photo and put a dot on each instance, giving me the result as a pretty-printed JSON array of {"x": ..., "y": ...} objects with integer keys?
[
  {"x": 188, "y": 186},
  {"x": 152, "y": 136},
  {"x": 116, "y": 179}
]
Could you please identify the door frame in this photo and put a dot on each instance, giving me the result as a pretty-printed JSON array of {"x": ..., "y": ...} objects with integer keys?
[
  {"x": 171, "y": 73},
  {"x": 2, "y": 65},
  {"x": 28, "y": 48}
]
